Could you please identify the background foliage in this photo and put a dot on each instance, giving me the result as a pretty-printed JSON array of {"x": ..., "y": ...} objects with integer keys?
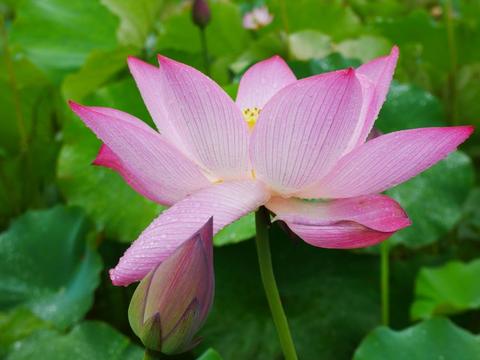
[{"x": 64, "y": 222}]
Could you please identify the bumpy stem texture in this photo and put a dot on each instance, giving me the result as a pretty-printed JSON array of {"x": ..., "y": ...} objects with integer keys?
[{"x": 262, "y": 221}]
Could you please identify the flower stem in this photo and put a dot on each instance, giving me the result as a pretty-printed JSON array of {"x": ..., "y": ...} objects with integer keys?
[
  {"x": 25, "y": 156},
  {"x": 262, "y": 222},
  {"x": 384, "y": 278},
  {"x": 148, "y": 355},
  {"x": 22, "y": 130},
  {"x": 283, "y": 9},
  {"x": 206, "y": 60},
  {"x": 452, "y": 49}
]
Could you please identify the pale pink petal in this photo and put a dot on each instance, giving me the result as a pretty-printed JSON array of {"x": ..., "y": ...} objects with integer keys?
[
  {"x": 148, "y": 81},
  {"x": 262, "y": 16},
  {"x": 305, "y": 128},
  {"x": 209, "y": 123},
  {"x": 249, "y": 21},
  {"x": 380, "y": 72},
  {"x": 387, "y": 160},
  {"x": 117, "y": 114},
  {"x": 378, "y": 212},
  {"x": 107, "y": 158},
  {"x": 343, "y": 223},
  {"x": 141, "y": 156},
  {"x": 348, "y": 235},
  {"x": 368, "y": 94},
  {"x": 226, "y": 202},
  {"x": 263, "y": 80}
]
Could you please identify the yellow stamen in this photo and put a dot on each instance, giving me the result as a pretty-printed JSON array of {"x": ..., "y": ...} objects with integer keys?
[{"x": 251, "y": 115}]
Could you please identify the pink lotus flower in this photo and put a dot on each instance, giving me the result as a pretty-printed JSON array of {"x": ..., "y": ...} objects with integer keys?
[
  {"x": 282, "y": 141},
  {"x": 172, "y": 302},
  {"x": 257, "y": 18}
]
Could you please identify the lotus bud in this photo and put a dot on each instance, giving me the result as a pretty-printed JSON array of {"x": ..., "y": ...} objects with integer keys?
[
  {"x": 374, "y": 133},
  {"x": 172, "y": 302},
  {"x": 200, "y": 13}
]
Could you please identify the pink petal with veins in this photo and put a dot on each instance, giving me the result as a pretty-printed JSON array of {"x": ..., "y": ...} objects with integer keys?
[
  {"x": 206, "y": 118},
  {"x": 226, "y": 202},
  {"x": 380, "y": 72},
  {"x": 386, "y": 161},
  {"x": 107, "y": 158},
  {"x": 305, "y": 128},
  {"x": 148, "y": 81},
  {"x": 141, "y": 156},
  {"x": 344, "y": 223},
  {"x": 263, "y": 80},
  {"x": 346, "y": 235},
  {"x": 195, "y": 115}
]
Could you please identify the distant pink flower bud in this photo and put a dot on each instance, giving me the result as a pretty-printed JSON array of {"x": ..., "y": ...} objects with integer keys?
[
  {"x": 172, "y": 302},
  {"x": 257, "y": 18},
  {"x": 200, "y": 13}
]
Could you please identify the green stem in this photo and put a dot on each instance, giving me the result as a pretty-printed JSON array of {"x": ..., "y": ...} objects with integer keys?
[
  {"x": 22, "y": 129},
  {"x": 262, "y": 222},
  {"x": 283, "y": 9},
  {"x": 20, "y": 119},
  {"x": 203, "y": 40},
  {"x": 384, "y": 279},
  {"x": 148, "y": 355},
  {"x": 452, "y": 49},
  {"x": 9, "y": 195}
]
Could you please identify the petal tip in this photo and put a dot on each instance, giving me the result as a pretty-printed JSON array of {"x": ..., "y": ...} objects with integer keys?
[
  {"x": 133, "y": 60},
  {"x": 395, "y": 51},
  {"x": 164, "y": 60},
  {"x": 76, "y": 107},
  {"x": 205, "y": 235},
  {"x": 408, "y": 222},
  {"x": 134, "y": 63},
  {"x": 209, "y": 223},
  {"x": 349, "y": 72},
  {"x": 100, "y": 158},
  {"x": 168, "y": 63},
  {"x": 141, "y": 69},
  {"x": 462, "y": 132},
  {"x": 275, "y": 58},
  {"x": 403, "y": 222},
  {"x": 73, "y": 104},
  {"x": 469, "y": 129},
  {"x": 116, "y": 280}
]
